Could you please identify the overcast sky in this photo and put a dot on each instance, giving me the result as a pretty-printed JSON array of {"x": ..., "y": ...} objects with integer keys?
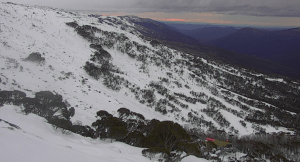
[{"x": 273, "y": 12}]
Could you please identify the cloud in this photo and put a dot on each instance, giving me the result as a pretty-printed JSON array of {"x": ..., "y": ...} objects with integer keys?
[{"x": 288, "y": 8}]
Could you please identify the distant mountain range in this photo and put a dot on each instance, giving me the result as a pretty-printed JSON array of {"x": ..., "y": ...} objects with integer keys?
[
  {"x": 209, "y": 33},
  {"x": 280, "y": 46},
  {"x": 189, "y": 41}
]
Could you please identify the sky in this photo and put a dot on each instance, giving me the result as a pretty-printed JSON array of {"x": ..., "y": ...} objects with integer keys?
[{"x": 234, "y": 12}]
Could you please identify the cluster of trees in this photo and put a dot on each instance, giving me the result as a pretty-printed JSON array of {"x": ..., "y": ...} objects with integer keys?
[
  {"x": 45, "y": 104},
  {"x": 48, "y": 105},
  {"x": 158, "y": 137}
]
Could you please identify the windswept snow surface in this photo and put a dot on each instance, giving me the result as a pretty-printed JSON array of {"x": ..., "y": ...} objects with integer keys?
[{"x": 193, "y": 159}]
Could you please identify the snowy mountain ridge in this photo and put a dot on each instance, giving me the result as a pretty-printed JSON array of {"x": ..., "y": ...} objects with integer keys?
[{"x": 104, "y": 63}]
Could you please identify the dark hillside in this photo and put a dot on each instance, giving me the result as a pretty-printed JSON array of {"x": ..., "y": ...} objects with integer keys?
[
  {"x": 236, "y": 59},
  {"x": 280, "y": 46},
  {"x": 158, "y": 30},
  {"x": 170, "y": 37},
  {"x": 208, "y": 33}
]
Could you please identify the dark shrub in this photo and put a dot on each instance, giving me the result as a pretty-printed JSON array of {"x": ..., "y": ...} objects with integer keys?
[
  {"x": 104, "y": 114},
  {"x": 123, "y": 112},
  {"x": 47, "y": 97},
  {"x": 154, "y": 43},
  {"x": 97, "y": 47},
  {"x": 118, "y": 132},
  {"x": 109, "y": 127},
  {"x": 85, "y": 131},
  {"x": 92, "y": 70},
  {"x": 35, "y": 57},
  {"x": 166, "y": 134},
  {"x": 134, "y": 139},
  {"x": 72, "y": 24},
  {"x": 189, "y": 148},
  {"x": 60, "y": 123},
  {"x": 11, "y": 96},
  {"x": 31, "y": 105}
]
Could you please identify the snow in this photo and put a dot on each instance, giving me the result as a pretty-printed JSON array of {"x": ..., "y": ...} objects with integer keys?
[
  {"x": 36, "y": 141},
  {"x": 192, "y": 158}
]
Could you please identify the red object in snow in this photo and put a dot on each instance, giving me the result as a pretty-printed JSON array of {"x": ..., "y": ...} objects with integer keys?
[{"x": 210, "y": 139}]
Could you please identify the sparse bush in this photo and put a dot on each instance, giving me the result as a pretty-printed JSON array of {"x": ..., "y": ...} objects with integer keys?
[
  {"x": 161, "y": 106},
  {"x": 243, "y": 123}
]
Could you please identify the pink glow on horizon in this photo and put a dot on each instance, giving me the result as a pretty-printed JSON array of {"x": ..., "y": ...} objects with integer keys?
[
  {"x": 214, "y": 18},
  {"x": 173, "y": 19}
]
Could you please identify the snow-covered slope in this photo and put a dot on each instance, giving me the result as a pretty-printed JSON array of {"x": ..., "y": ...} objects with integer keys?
[
  {"x": 30, "y": 138},
  {"x": 127, "y": 70},
  {"x": 28, "y": 29}
]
